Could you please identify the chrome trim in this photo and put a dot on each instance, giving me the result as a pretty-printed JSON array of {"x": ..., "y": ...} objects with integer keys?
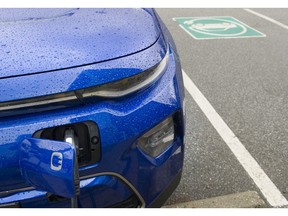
[
  {"x": 7, "y": 193},
  {"x": 10, "y": 106}
]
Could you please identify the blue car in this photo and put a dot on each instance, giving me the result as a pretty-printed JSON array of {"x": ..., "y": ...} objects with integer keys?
[{"x": 91, "y": 108}]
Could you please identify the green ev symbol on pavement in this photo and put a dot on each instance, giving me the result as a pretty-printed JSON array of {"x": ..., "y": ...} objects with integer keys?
[{"x": 216, "y": 27}]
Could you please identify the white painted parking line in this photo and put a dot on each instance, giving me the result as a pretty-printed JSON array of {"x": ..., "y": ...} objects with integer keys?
[
  {"x": 267, "y": 18},
  {"x": 263, "y": 182}
]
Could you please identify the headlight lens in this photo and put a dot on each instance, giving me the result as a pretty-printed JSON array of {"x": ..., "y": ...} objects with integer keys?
[
  {"x": 159, "y": 138},
  {"x": 110, "y": 90},
  {"x": 128, "y": 85}
]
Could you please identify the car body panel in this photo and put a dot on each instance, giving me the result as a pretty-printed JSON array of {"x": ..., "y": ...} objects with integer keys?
[{"x": 37, "y": 40}]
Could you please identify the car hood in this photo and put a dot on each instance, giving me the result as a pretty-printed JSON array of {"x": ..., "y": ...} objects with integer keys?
[{"x": 40, "y": 40}]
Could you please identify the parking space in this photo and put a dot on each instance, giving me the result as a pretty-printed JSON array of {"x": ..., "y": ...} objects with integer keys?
[{"x": 245, "y": 81}]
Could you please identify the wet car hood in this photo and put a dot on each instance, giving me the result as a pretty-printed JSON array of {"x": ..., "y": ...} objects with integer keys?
[{"x": 39, "y": 40}]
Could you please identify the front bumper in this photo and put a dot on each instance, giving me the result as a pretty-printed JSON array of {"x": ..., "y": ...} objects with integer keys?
[{"x": 124, "y": 170}]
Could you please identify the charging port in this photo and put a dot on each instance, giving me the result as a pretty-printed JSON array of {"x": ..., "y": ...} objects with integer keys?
[{"x": 84, "y": 135}]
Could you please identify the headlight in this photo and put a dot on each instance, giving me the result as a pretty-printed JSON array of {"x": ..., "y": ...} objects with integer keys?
[
  {"x": 158, "y": 139},
  {"x": 110, "y": 90},
  {"x": 128, "y": 85}
]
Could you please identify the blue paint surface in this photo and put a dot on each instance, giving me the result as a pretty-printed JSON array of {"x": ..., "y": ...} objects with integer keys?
[
  {"x": 121, "y": 121},
  {"x": 37, "y": 40}
]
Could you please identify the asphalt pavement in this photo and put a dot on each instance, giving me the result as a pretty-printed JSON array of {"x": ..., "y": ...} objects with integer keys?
[{"x": 246, "y": 82}]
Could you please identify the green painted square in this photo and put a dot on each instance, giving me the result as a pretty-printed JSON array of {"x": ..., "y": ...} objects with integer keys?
[{"x": 216, "y": 27}]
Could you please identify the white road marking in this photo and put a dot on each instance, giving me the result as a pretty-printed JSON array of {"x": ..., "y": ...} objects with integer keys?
[
  {"x": 263, "y": 182},
  {"x": 267, "y": 18}
]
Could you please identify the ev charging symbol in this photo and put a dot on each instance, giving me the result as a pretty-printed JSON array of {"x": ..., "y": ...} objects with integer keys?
[{"x": 56, "y": 161}]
